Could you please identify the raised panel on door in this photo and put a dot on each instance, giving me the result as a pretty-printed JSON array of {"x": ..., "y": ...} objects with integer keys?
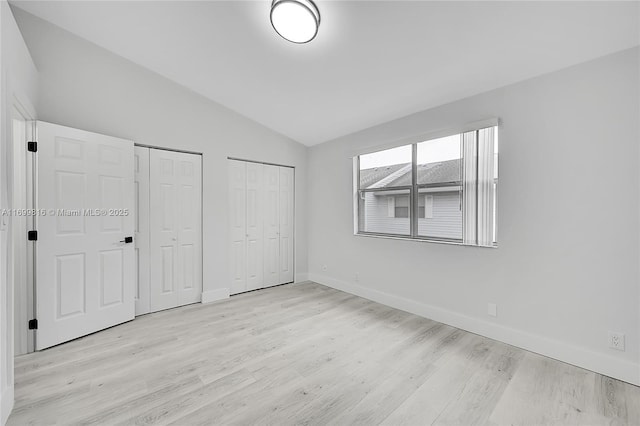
[
  {"x": 238, "y": 226},
  {"x": 142, "y": 228},
  {"x": 163, "y": 233},
  {"x": 85, "y": 275},
  {"x": 286, "y": 223},
  {"x": 189, "y": 223},
  {"x": 254, "y": 226},
  {"x": 271, "y": 217}
]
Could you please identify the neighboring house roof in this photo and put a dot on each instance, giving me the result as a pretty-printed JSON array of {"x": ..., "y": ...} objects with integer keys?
[
  {"x": 368, "y": 177},
  {"x": 430, "y": 173}
]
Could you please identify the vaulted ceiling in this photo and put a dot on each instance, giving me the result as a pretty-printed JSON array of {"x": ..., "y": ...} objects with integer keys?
[{"x": 373, "y": 61}]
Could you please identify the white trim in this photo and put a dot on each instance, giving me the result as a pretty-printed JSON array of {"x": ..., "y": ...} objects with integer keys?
[
  {"x": 6, "y": 404},
  {"x": 215, "y": 295},
  {"x": 356, "y": 201},
  {"x": 582, "y": 357},
  {"x": 434, "y": 134},
  {"x": 391, "y": 206},
  {"x": 439, "y": 189},
  {"x": 419, "y": 240},
  {"x": 428, "y": 206}
]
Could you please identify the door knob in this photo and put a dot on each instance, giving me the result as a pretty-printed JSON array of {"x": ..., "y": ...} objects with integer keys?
[{"x": 127, "y": 240}]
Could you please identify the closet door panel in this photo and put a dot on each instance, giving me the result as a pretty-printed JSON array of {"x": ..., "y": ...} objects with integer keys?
[
  {"x": 286, "y": 211},
  {"x": 164, "y": 203},
  {"x": 189, "y": 228},
  {"x": 255, "y": 227},
  {"x": 271, "y": 225},
  {"x": 142, "y": 225},
  {"x": 238, "y": 225}
]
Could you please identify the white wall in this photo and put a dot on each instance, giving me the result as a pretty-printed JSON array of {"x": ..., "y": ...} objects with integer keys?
[
  {"x": 18, "y": 77},
  {"x": 87, "y": 87},
  {"x": 566, "y": 270}
]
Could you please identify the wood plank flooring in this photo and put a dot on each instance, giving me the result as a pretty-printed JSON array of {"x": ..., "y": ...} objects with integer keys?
[{"x": 306, "y": 355}]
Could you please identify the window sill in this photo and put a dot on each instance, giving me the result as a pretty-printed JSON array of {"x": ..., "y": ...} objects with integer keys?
[{"x": 420, "y": 240}]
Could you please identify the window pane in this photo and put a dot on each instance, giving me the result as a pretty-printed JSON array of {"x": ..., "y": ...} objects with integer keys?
[
  {"x": 401, "y": 205},
  {"x": 385, "y": 212},
  {"x": 384, "y": 169},
  {"x": 439, "y": 166},
  {"x": 439, "y": 161}
]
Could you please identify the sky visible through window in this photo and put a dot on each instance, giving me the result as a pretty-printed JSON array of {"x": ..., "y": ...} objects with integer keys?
[{"x": 433, "y": 151}]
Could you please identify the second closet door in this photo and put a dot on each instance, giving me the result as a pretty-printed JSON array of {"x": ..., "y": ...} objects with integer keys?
[
  {"x": 261, "y": 200},
  {"x": 278, "y": 225},
  {"x": 175, "y": 229},
  {"x": 272, "y": 226}
]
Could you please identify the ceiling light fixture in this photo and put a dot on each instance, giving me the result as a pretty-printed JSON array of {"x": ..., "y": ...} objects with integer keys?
[{"x": 295, "y": 20}]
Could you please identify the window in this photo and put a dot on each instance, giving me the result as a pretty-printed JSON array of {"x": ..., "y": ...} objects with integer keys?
[
  {"x": 399, "y": 205},
  {"x": 442, "y": 189}
]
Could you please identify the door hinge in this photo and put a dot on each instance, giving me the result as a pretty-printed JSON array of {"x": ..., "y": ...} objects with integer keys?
[
  {"x": 33, "y": 324},
  {"x": 32, "y": 146},
  {"x": 32, "y": 235}
]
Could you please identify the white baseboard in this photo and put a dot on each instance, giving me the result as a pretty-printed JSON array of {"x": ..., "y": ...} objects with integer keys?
[
  {"x": 581, "y": 357},
  {"x": 6, "y": 405},
  {"x": 215, "y": 295}
]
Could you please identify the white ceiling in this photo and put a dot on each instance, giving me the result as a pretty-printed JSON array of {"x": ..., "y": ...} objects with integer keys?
[{"x": 373, "y": 61}]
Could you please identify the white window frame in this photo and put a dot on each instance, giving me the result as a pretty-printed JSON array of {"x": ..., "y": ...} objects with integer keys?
[{"x": 415, "y": 190}]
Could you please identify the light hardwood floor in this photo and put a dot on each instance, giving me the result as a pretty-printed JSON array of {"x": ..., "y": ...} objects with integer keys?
[{"x": 306, "y": 354}]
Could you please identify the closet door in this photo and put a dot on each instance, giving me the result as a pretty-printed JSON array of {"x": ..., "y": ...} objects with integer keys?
[
  {"x": 189, "y": 227},
  {"x": 164, "y": 230},
  {"x": 271, "y": 226},
  {"x": 254, "y": 225},
  {"x": 175, "y": 242},
  {"x": 142, "y": 225},
  {"x": 238, "y": 225},
  {"x": 286, "y": 195}
]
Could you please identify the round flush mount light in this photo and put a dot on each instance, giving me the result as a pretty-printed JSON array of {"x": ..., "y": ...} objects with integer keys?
[{"x": 295, "y": 20}]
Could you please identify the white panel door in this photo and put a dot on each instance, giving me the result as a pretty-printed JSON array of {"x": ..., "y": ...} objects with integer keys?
[
  {"x": 271, "y": 226},
  {"x": 164, "y": 230},
  {"x": 237, "y": 225},
  {"x": 286, "y": 211},
  {"x": 85, "y": 272},
  {"x": 176, "y": 229},
  {"x": 189, "y": 224},
  {"x": 254, "y": 225},
  {"x": 142, "y": 225}
]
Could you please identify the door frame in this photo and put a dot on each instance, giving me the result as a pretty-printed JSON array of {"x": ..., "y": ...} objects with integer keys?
[{"x": 24, "y": 292}]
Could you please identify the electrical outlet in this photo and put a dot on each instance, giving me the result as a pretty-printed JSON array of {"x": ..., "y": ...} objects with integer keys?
[
  {"x": 357, "y": 277},
  {"x": 616, "y": 341},
  {"x": 492, "y": 309},
  {"x": 324, "y": 268}
]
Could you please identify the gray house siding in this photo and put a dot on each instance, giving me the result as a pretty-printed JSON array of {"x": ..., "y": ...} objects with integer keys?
[
  {"x": 376, "y": 216},
  {"x": 447, "y": 217},
  {"x": 446, "y": 220}
]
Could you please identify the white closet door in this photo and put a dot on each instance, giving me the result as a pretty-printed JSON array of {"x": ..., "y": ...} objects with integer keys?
[
  {"x": 85, "y": 272},
  {"x": 271, "y": 226},
  {"x": 189, "y": 265},
  {"x": 286, "y": 195},
  {"x": 175, "y": 232},
  {"x": 238, "y": 225},
  {"x": 141, "y": 239},
  {"x": 254, "y": 225},
  {"x": 164, "y": 229}
]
